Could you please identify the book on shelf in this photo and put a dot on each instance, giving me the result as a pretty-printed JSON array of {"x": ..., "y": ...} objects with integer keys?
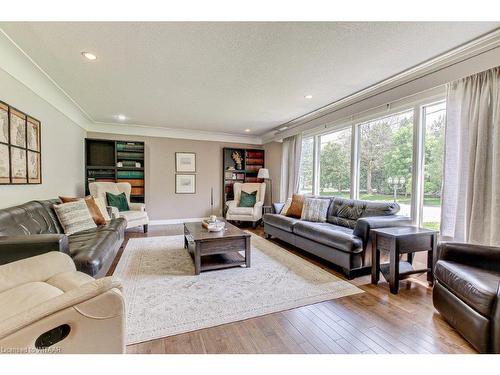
[
  {"x": 130, "y": 174},
  {"x": 137, "y": 191},
  {"x": 255, "y": 154},
  {"x": 133, "y": 182},
  {"x": 130, "y": 155},
  {"x": 255, "y": 161}
]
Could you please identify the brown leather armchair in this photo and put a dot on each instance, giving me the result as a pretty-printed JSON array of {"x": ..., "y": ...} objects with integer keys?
[{"x": 467, "y": 292}]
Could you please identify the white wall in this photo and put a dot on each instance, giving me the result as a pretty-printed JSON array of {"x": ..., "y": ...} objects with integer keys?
[{"x": 62, "y": 147}]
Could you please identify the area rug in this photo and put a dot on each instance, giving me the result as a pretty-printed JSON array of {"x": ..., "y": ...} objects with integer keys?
[{"x": 164, "y": 297}]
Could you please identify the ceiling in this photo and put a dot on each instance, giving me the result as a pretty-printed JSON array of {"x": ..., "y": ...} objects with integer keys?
[{"x": 227, "y": 77}]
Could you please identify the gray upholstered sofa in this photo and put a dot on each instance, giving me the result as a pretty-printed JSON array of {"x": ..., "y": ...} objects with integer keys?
[{"x": 344, "y": 239}]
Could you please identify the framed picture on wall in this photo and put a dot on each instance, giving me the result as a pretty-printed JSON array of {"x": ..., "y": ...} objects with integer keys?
[
  {"x": 185, "y": 162},
  {"x": 185, "y": 184},
  {"x": 20, "y": 147}
]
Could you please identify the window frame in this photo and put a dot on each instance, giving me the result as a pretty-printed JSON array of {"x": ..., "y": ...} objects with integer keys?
[{"x": 417, "y": 104}]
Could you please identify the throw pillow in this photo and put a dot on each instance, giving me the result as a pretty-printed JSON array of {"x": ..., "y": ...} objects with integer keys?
[
  {"x": 315, "y": 210},
  {"x": 94, "y": 210},
  {"x": 296, "y": 206},
  {"x": 119, "y": 201},
  {"x": 248, "y": 199},
  {"x": 101, "y": 203},
  {"x": 287, "y": 205},
  {"x": 74, "y": 216}
]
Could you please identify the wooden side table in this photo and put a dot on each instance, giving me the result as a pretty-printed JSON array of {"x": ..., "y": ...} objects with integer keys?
[{"x": 397, "y": 241}]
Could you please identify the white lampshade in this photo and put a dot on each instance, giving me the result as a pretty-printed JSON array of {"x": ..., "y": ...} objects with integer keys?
[{"x": 263, "y": 173}]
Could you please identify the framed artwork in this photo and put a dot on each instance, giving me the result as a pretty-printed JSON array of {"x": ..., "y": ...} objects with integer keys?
[
  {"x": 18, "y": 166},
  {"x": 4, "y": 123},
  {"x": 185, "y": 184},
  {"x": 4, "y": 164},
  {"x": 185, "y": 162},
  {"x": 20, "y": 147}
]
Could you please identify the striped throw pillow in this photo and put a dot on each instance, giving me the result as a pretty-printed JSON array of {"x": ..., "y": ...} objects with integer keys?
[
  {"x": 315, "y": 210},
  {"x": 74, "y": 216}
]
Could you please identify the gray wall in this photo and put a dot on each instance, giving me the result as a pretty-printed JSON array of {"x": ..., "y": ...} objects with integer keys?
[
  {"x": 62, "y": 147},
  {"x": 161, "y": 201}
]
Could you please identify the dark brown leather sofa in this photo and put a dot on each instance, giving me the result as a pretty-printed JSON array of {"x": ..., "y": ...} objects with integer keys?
[
  {"x": 344, "y": 239},
  {"x": 33, "y": 228},
  {"x": 467, "y": 292}
]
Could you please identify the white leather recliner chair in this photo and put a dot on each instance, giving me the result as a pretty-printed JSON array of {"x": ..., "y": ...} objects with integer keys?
[
  {"x": 253, "y": 214},
  {"x": 46, "y": 306},
  {"x": 137, "y": 214}
]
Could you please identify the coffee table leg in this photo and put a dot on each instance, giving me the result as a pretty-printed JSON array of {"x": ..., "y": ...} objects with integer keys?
[
  {"x": 197, "y": 260},
  {"x": 247, "y": 252}
]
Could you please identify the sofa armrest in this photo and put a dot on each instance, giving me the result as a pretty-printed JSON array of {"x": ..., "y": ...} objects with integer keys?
[
  {"x": 37, "y": 268},
  {"x": 365, "y": 224},
  {"x": 486, "y": 257},
  {"x": 72, "y": 297},
  {"x": 257, "y": 210},
  {"x": 14, "y": 248},
  {"x": 277, "y": 207},
  {"x": 137, "y": 207}
]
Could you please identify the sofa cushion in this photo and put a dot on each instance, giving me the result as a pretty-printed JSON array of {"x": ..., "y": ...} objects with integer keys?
[
  {"x": 345, "y": 212},
  {"x": 94, "y": 210},
  {"x": 475, "y": 286},
  {"x": 74, "y": 216},
  {"x": 315, "y": 210},
  {"x": 295, "y": 209},
  {"x": 248, "y": 211},
  {"x": 248, "y": 199},
  {"x": 335, "y": 236},
  {"x": 35, "y": 217},
  {"x": 118, "y": 200},
  {"x": 280, "y": 221}
]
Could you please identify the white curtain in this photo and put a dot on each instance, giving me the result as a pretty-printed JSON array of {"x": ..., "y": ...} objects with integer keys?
[
  {"x": 471, "y": 176},
  {"x": 290, "y": 166}
]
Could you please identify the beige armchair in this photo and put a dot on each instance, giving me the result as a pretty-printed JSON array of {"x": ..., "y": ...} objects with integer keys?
[
  {"x": 46, "y": 306},
  {"x": 137, "y": 214},
  {"x": 253, "y": 214}
]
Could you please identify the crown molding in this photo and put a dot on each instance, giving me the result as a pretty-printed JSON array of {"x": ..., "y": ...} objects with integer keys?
[
  {"x": 160, "y": 131},
  {"x": 19, "y": 65},
  {"x": 466, "y": 51}
]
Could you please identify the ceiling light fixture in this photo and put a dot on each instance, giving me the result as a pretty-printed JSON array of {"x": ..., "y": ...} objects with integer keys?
[
  {"x": 308, "y": 96},
  {"x": 121, "y": 117},
  {"x": 89, "y": 56},
  {"x": 247, "y": 130},
  {"x": 283, "y": 128}
]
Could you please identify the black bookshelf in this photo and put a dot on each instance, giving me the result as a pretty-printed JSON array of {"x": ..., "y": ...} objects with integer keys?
[
  {"x": 252, "y": 161},
  {"x": 116, "y": 161}
]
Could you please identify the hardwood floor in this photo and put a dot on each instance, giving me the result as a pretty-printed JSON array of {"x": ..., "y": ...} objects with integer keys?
[{"x": 371, "y": 322}]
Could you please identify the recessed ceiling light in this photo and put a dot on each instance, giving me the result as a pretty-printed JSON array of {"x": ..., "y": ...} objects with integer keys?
[
  {"x": 89, "y": 56},
  {"x": 283, "y": 128},
  {"x": 309, "y": 96},
  {"x": 121, "y": 117},
  {"x": 247, "y": 130}
]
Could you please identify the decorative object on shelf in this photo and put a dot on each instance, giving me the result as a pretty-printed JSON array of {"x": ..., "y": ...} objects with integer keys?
[
  {"x": 212, "y": 203},
  {"x": 264, "y": 174},
  {"x": 236, "y": 156},
  {"x": 213, "y": 225},
  {"x": 20, "y": 147},
  {"x": 185, "y": 162},
  {"x": 185, "y": 184}
]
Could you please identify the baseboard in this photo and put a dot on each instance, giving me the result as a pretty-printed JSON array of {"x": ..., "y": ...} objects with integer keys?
[{"x": 174, "y": 221}]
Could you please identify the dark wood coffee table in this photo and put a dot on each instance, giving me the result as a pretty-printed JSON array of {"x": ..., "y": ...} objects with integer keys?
[{"x": 216, "y": 250}]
